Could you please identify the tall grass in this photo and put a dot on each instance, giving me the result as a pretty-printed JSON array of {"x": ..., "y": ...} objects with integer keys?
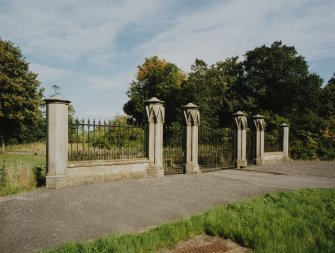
[
  {"x": 300, "y": 221},
  {"x": 28, "y": 148},
  {"x": 20, "y": 173}
]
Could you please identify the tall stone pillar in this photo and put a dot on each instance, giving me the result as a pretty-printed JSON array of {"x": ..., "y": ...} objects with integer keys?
[
  {"x": 285, "y": 134},
  {"x": 155, "y": 114},
  {"x": 258, "y": 135},
  {"x": 192, "y": 120},
  {"x": 57, "y": 141},
  {"x": 240, "y": 142}
]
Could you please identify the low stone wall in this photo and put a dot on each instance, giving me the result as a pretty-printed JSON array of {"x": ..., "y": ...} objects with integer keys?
[
  {"x": 272, "y": 157},
  {"x": 99, "y": 171}
]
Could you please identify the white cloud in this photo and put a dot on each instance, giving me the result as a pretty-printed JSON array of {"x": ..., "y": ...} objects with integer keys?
[
  {"x": 70, "y": 30},
  {"x": 49, "y": 74},
  {"x": 91, "y": 48},
  {"x": 230, "y": 28},
  {"x": 119, "y": 82}
]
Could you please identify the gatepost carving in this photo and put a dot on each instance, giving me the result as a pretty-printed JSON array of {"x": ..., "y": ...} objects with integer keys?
[
  {"x": 240, "y": 124},
  {"x": 155, "y": 114},
  {"x": 285, "y": 128},
  {"x": 192, "y": 120},
  {"x": 57, "y": 141},
  {"x": 258, "y": 135}
]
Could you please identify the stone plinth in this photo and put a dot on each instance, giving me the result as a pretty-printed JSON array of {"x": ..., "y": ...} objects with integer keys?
[
  {"x": 192, "y": 120},
  {"x": 240, "y": 144},
  {"x": 57, "y": 141},
  {"x": 155, "y": 114},
  {"x": 285, "y": 128},
  {"x": 258, "y": 135}
]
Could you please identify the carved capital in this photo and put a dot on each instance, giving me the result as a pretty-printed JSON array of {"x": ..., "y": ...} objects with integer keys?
[
  {"x": 192, "y": 117},
  {"x": 191, "y": 114},
  {"x": 155, "y": 111},
  {"x": 240, "y": 121},
  {"x": 259, "y": 123}
]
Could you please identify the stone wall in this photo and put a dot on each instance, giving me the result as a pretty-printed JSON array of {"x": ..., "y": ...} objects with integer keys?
[{"x": 100, "y": 171}]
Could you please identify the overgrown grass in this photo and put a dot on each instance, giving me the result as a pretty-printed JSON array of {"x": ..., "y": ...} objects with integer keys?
[
  {"x": 300, "y": 221},
  {"x": 31, "y": 148},
  {"x": 20, "y": 173}
]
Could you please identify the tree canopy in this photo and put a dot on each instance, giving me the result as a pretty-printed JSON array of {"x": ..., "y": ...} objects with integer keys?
[
  {"x": 277, "y": 78},
  {"x": 20, "y": 96},
  {"x": 271, "y": 80},
  {"x": 155, "y": 78},
  {"x": 213, "y": 89},
  {"x": 328, "y": 99}
]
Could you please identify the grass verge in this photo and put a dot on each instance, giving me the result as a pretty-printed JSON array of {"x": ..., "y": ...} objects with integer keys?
[
  {"x": 299, "y": 221},
  {"x": 20, "y": 173}
]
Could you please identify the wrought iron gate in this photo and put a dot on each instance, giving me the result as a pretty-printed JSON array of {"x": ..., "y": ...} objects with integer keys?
[
  {"x": 216, "y": 149},
  {"x": 173, "y": 142}
]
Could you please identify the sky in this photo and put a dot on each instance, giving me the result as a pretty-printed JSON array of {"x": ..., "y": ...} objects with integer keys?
[{"x": 91, "y": 49}]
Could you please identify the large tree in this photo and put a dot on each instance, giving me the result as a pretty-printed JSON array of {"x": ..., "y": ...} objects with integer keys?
[
  {"x": 155, "y": 78},
  {"x": 20, "y": 96},
  {"x": 279, "y": 80}
]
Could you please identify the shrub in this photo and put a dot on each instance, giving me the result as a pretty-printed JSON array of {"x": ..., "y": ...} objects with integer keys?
[{"x": 304, "y": 145}]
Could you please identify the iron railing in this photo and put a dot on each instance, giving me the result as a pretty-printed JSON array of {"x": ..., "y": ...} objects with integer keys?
[
  {"x": 173, "y": 153},
  {"x": 272, "y": 141},
  {"x": 91, "y": 140},
  {"x": 250, "y": 152},
  {"x": 216, "y": 149}
]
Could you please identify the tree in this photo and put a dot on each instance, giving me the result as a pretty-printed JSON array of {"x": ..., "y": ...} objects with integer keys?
[
  {"x": 155, "y": 78},
  {"x": 328, "y": 99},
  {"x": 213, "y": 89},
  {"x": 20, "y": 96},
  {"x": 279, "y": 80}
]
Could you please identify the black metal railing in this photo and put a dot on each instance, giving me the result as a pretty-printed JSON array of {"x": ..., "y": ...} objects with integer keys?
[
  {"x": 250, "y": 152},
  {"x": 173, "y": 142},
  {"x": 91, "y": 140},
  {"x": 215, "y": 148},
  {"x": 272, "y": 141}
]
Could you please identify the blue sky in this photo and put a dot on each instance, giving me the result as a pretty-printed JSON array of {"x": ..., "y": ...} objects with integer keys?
[{"x": 91, "y": 49}]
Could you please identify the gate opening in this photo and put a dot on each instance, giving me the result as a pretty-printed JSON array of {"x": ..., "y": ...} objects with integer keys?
[
  {"x": 216, "y": 149},
  {"x": 173, "y": 154}
]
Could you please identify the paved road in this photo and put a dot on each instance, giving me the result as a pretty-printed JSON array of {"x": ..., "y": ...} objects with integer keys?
[{"x": 44, "y": 218}]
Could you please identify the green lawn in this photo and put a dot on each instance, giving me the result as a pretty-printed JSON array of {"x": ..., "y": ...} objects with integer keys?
[{"x": 298, "y": 221}]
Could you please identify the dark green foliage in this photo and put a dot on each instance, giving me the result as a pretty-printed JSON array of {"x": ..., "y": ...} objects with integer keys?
[
  {"x": 279, "y": 80},
  {"x": 328, "y": 99},
  {"x": 214, "y": 90},
  {"x": 326, "y": 148},
  {"x": 273, "y": 81},
  {"x": 300, "y": 221},
  {"x": 155, "y": 78},
  {"x": 303, "y": 145},
  {"x": 20, "y": 97}
]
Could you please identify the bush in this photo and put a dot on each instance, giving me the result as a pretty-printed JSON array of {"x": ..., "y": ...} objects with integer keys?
[
  {"x": 326, "y": 148},
  {"x": 304, "y": 145}
]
